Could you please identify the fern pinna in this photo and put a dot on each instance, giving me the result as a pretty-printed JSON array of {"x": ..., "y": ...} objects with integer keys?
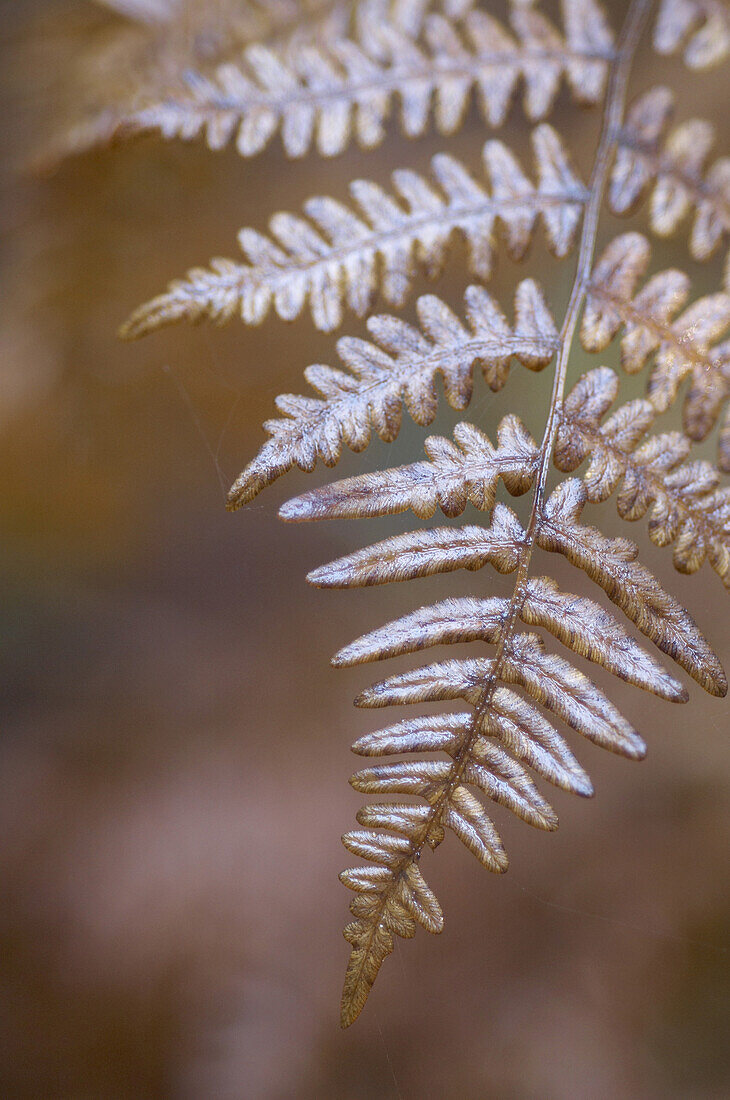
[{"x": 335, "y": 257}]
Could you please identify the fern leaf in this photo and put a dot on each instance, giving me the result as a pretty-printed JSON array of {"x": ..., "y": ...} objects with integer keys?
[
  {"x": 487, "y": 684},
  {"x": 400, "y": 366},
  {"x": 610, "y": 563},
  {"x": 613, "y": 565},
  {"x": 700, "y": 28},
  {"x": 327, "y": 93},
  {"x": 681, "y": 347},
  {"x": 423, "y": 553},
  {"x": 675, "y": 166},
  {"x": 150, "y": 61},
  {"x": 684, "y": 500},
  {"x": 455, "y": 476},
  {"x": 340, "y": 256}
]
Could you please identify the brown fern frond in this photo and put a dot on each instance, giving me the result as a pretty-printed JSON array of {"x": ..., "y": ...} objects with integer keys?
[
  {"x": 684, "y": 500},
  {"x": 700, "y": 28},
  {"x": 674, "y": 166},
  {"x": 579, "y": 623},
  {"x": 328, "y": 93},
  {"x": 399, "y": 367},
  {"x": 337, "y": 256},
  {"x": 681, "y": 347}
]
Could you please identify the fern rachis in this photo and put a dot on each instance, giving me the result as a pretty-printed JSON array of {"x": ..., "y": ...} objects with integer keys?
[{"x": 340, "y": 256}]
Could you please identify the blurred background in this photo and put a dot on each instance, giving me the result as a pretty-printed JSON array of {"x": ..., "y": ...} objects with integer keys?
[{"x": 175, "y": 746}]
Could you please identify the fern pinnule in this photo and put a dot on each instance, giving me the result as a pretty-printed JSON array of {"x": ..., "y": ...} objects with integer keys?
[
  {"x": 680, "y": 347},
  {"x": 337, "y": 256},
  {"x": 700, "y": 28},
  {"x": 674, "y": 167},
  {"x": 460, "y": 473},
  {"x": 399, "y": 366},
  {"x": 686, "y": 504}
]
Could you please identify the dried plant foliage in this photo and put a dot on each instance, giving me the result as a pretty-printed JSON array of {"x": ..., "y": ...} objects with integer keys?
[
  {"x": 337, "y": 256},
  {"x": 321, "y": 90},
  {"x": 163, "y": 49},
  {"x": 400, "y": 366},
  {"x": 328, "y": 88}
]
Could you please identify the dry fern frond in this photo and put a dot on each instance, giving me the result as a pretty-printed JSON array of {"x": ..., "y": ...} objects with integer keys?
[
  {"x": 327, "y": 93},
  {"x": 336, "y": 256},
  {"x": 680, "y": 347},
  {"x": 339, "y": 257},
  {"x": 684, "y": 500},
  {"x": 399, "y": 367},
  {"x": 686, "y": 505},
  {"x": 700, "y": 28},
  {"x": 674, "y": 167}
]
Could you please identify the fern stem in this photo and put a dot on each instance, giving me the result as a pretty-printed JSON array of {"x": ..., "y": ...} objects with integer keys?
[{"x": 613, "y": 115}]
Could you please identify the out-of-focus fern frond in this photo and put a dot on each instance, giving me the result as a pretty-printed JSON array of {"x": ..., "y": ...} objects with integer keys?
[
  {"x": 144, "y": 11},
  {"x": 700, "y": 28},
  {"x": 128, "y": 67},
  {"x": 681, "y": 347},
  {"x": 674, "y": 166},
  {"x": 328, "y": 92}
]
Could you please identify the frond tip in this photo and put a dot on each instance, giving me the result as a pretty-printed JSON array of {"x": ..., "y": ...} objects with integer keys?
[
  {"x": 489, "y": 748},
  {"x": 338, "y": 257}
]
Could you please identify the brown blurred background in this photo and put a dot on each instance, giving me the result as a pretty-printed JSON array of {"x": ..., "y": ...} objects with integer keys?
[{"x": 175, "y": 746}]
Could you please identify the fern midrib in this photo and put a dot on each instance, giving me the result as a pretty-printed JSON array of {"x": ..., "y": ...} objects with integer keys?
[
  {"x": 392, "y": 80},
  {"x": 614, "y": 109},
  {"x": 449, "y": 219},
  {"x": 470, "y": 352}
]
